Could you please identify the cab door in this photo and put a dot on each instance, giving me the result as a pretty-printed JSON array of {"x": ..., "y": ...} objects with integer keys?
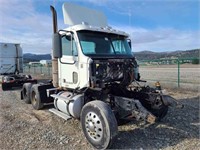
[{"x": 68, "y": 63}]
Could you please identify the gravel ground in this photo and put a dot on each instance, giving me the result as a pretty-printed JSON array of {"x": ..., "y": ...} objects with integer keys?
[{"x": 21, "y": 127}]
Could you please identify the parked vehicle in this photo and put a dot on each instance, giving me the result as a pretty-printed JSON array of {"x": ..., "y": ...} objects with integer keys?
[
  {"x": 11, "y": 66},
  {"x": 11, "y": 59}
]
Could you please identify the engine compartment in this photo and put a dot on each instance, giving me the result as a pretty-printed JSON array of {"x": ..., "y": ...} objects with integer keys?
[{"x": 108, "y": 71}]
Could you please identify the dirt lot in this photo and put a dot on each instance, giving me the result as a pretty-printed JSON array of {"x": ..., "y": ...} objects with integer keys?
[{"x": 21, "y": 127}]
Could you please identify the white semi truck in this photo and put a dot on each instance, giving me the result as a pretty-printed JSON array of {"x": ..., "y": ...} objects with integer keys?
[
  {"x": 11, "y": 66},
  {"x": 95, "y": 78}
]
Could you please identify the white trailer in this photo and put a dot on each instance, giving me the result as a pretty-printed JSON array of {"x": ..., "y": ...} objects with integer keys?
[
  {"x": 11, "y": 65},
  {"x": 11, "y": 59}
]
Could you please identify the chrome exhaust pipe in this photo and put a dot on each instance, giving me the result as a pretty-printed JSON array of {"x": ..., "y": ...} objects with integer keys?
[
  {"x": 54, "y": 60},
  {"x": 54, "y": 16}
]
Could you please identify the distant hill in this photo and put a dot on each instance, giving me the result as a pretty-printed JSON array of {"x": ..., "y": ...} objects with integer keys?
[
  {"x": 149, "y": 55},
  {"x": 143, "y": 55},
  {"x": 35, "y": 57}
]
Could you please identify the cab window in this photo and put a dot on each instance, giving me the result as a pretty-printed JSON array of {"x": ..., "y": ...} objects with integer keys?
[{"x": 69, "y": 47}]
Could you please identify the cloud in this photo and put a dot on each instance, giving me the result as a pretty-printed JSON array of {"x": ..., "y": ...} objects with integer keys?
[
  {"x": 143, "y": 7},
  {"x": 22, "y": 23},
  {"x": 162, "y": 39}
]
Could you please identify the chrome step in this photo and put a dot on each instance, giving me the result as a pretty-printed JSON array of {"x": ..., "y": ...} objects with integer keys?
[{"x": 60, "y": 114}]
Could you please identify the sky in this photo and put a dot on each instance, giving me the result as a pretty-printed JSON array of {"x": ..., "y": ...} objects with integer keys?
[{"x": 156, "y": 25}]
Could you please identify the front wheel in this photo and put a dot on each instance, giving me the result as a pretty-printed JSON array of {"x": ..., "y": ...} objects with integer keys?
[{"x": 99, "y": 124}]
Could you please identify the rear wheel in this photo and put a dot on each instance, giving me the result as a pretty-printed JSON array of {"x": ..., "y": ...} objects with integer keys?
[
  {"x": 35, "y": 98},
  {"x": 26, "y": 91},
  {"x": 99, "y": 124}
]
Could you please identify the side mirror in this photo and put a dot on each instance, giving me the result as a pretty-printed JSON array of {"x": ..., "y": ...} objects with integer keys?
[
  {"x": 57, "y": 45},
  {"x": 129, "y": 42}
]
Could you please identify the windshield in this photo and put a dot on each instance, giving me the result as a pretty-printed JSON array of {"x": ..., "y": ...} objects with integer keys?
[{"x": 100, "y": 43}]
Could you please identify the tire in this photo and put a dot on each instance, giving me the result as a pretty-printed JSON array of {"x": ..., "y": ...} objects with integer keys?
[
  {"x": 99, "y": 124},
  {"x": 35, "y": 98},
  {"x": 5, "y": 87},
  {"x": 26, "y": 92}
]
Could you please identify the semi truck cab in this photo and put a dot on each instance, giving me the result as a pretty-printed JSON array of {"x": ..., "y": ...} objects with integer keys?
[{"x": 87, "y": 46}]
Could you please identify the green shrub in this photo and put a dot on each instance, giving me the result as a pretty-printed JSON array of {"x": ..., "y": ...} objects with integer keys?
[{"x": 195, "y": 61}]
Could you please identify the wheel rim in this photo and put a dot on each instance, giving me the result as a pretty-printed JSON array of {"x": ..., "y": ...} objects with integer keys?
[
  {"x": 34, "y": 98},
  {"x": 94, "y": 127}
]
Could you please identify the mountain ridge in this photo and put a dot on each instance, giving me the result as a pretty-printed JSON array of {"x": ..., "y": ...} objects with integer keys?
[
  {"x": 150, "y": 55},
  {"x": 142, "y": 55}
]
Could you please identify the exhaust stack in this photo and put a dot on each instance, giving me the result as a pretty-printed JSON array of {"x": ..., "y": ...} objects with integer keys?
[
  {"x": 54, "y": 60},
  {"x": 54, "y": 16}
]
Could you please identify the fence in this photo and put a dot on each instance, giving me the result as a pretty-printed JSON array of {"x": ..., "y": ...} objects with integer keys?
[
  {"x": 174, "y": 72},
  {"x": 38, "y": 70}
]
